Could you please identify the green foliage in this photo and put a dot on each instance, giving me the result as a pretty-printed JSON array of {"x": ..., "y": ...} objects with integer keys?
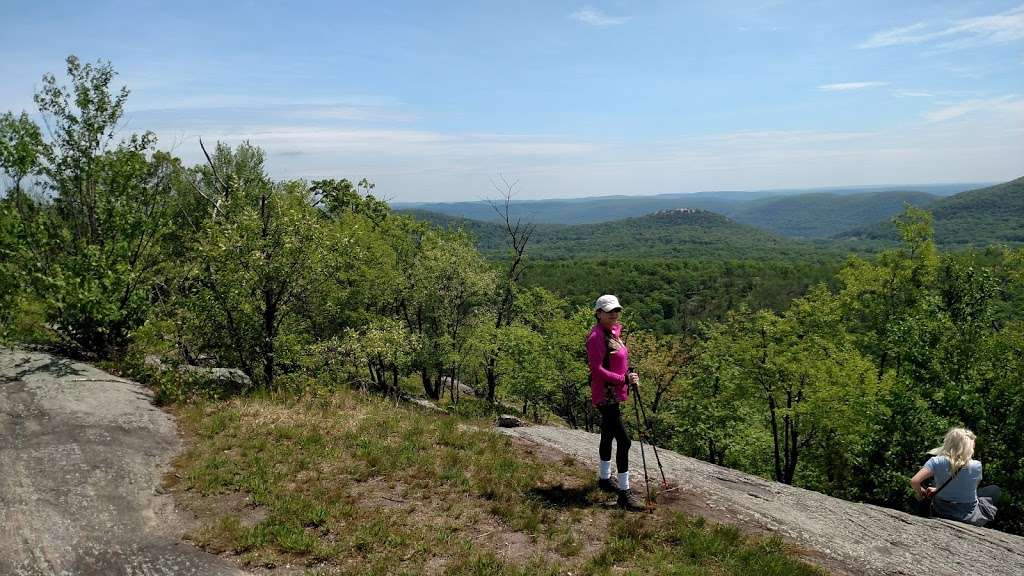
[
  {"x": 10, "y": 273},
  {"x": 675, "y": 296},
  {"x": 846, "y": 389},
  {"x": 260, "y": 253},
  {"x": 681, "y": 233},
  {"x": 795, "y": 373},
  {"x": 340, "y": 196},
  {"x": 91, "y": 246},
  {"x": 384, "y": 346},
  {"x": 21, "y": 147}
]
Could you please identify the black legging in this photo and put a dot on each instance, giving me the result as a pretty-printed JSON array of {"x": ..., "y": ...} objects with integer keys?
[{"x": 612, "y": 428}]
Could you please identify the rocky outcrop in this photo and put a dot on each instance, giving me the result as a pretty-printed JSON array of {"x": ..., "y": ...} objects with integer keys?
[
  {"x": 231, "y": 377},
  {"x": 846, "y": 537},
  {"x": 82, "y": 454},
  {"x": 509, "y": 421}
]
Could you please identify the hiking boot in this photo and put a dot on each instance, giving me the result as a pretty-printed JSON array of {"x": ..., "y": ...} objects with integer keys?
[
  {"x": 607, "y": 485},
  {"x": 631, "y": 501}
]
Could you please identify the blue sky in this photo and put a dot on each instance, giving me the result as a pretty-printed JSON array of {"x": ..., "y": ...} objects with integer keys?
[{"x": 437, "y": 100}]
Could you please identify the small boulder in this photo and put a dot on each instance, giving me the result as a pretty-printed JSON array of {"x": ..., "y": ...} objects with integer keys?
[
  {"x": 424, "y": 403},
  {"x": 509, "y": 421},
  {"x": 232, "y": 377}
]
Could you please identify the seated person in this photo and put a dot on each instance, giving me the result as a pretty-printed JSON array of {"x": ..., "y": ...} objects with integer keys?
[{"x": 959, "y": 499}]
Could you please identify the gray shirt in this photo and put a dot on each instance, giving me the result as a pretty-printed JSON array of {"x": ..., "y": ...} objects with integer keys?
[{"x": 964, "y": 486}]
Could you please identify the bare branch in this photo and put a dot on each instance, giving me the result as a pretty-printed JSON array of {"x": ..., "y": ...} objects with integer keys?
[
  {"x": 224, "y": 187},
  {"x": 214, "y": 203}
]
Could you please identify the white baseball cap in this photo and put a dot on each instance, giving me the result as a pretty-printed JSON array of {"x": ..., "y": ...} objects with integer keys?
[{"x": 607, "y": 303}]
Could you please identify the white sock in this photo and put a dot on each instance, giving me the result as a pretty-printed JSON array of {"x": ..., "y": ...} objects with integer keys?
[
  {"x": 604, "y": 471},
  {"x": 623, "y": 480}
]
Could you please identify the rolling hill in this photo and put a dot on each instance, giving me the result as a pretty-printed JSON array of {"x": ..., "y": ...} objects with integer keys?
[
  {"x": 994, "y": 214},
  {"x": 678, "y": 233},
  {"x": 825, "y": 214},
  {"x": 733, "y": 204},
  {"x": 588, "y": 210}
]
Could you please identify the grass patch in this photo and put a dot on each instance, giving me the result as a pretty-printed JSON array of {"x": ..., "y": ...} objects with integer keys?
[{"x": 346, "y": 483}]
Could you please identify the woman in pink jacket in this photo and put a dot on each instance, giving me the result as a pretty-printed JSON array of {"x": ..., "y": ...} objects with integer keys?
[{"x": 610, "y": 378}]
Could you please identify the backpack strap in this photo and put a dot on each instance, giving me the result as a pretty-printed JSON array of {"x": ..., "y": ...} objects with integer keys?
[
  {"x": 609, "y": 389},
  {"x": 950, "y": 479}
]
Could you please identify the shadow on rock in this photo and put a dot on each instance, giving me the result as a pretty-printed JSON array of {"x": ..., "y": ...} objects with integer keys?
[{"x": 56, "y": 367}]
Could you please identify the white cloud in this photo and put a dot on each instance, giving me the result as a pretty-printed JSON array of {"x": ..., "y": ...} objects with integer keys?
[
  {"x": 846, "y": 86},
  {"x": 999, "y": 28},
  {"x": 595, "y": 17},
  {"x": 974, "y": 140},
  {"x": 913, "y": 94},
  {"x": 361, "y": 113},
  {"x": 1011, "y": 104}
]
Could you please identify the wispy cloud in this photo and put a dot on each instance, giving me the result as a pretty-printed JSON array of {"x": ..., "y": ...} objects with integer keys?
[
  {"x": 595, "y": 17},
  {"x": 356, "y": 113},
  {"x": 913, "y": 94},
  {"x": 413, "y": 164},
  {"x": 1010, "y": 104},
  {"x": 999, "y": 28},
  {"x": 846, "y": 86}
]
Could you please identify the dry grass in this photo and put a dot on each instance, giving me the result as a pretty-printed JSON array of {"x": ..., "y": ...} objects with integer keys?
[{"x": 352, "y": 484}]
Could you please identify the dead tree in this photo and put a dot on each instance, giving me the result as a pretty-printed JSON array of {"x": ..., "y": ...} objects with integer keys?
[{"x": 518, "y": 236}]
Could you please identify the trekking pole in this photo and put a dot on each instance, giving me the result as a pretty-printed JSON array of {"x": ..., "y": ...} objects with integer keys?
[
  {"x": 650, "y": 430},
  {"x": 640, "y": 437}
]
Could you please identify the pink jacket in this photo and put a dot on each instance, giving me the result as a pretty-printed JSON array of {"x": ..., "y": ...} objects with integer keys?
[{"x": 615, "y": 374}]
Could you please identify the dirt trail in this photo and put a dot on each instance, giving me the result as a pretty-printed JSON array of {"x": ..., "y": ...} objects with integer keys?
[
  {"x": 81, "y": 457},
  {"x": 844, "y": 536}
]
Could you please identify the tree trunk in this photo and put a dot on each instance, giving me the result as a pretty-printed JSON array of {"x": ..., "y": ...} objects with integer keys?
[
  {"x": 269, "y": 315},
  {"x": 775, "y": 438},
  {"x": 433, "y": 389},
  {"x": 425, "y": 378},
  {"x": 492, "y": 378}
]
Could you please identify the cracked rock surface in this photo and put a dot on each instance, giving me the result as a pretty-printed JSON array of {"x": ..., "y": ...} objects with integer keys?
[
  {"x": 847, "y": 537},
  {"x": 82, "y": 453}
]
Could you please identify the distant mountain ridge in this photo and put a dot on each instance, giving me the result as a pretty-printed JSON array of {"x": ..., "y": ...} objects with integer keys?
[
  {"x": 595, "y": 209},
  {"x": 765, "y": 228},
  {"x": 994, "y": 214},
  {"x": 821, "y": 215}
]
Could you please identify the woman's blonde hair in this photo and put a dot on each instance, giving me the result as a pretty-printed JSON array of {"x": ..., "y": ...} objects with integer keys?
[{"x": 958, "y": 446}]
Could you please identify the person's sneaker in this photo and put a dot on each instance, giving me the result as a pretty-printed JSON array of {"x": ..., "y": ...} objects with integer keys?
[
  {"x": 608, "y": 485},
  {"x": 630, "y": 501}
]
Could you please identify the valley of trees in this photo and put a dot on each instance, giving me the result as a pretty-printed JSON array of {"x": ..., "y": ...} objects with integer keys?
[
  {"x": 678, "y": 233},
  {"x": 831, "y": 373}
]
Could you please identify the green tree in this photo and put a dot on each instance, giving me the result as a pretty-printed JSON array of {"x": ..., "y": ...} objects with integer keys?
[
  {"x": 526, "y": 369},
  {"x": 565, "y": 335},
  {"x": 798, "y": 369},
  {"x": 444, "y": 292},
  {"x": 712, "y": 411},
  {"x": 261, "y": 252},
  {"x": 83, "y": 121},
  {"x": 93, "y": 243},
  {"x": 888, "y": 305},
  {"x": 385, "y": 347},
  {"x": 21, "y": 148}
]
